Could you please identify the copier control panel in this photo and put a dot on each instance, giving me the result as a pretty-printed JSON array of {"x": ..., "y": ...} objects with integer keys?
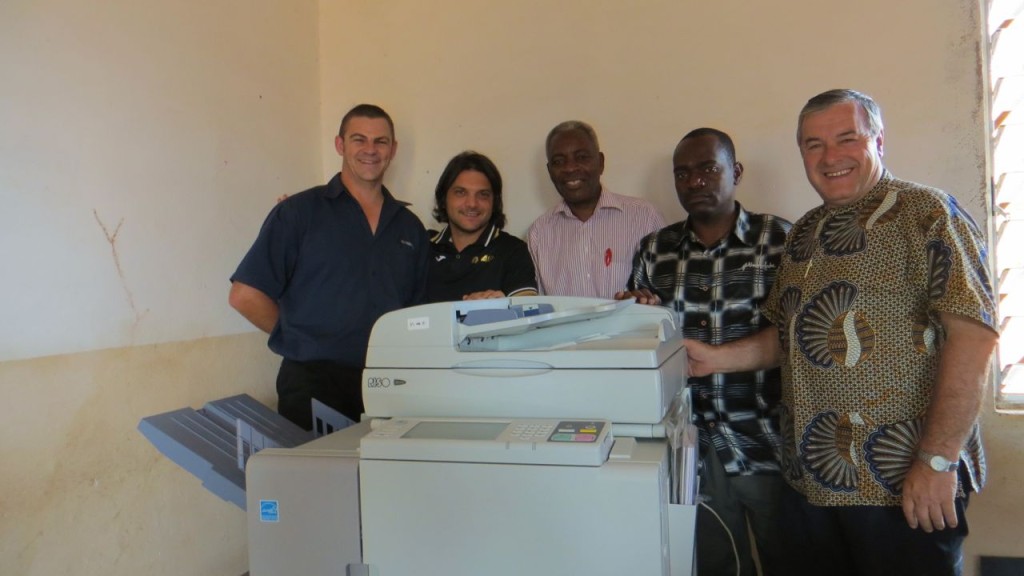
[{"x": 496, "y": 441}]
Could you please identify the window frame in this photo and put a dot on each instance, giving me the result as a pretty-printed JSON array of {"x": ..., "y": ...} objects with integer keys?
[{"x": 1004, "y": 221}]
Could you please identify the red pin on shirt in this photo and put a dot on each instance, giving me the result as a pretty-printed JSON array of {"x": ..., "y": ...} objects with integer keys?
[{"x": 607, "y": 257}]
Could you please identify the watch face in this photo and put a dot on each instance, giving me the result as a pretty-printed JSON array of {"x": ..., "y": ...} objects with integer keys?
[{"x": 940, "y": 464}]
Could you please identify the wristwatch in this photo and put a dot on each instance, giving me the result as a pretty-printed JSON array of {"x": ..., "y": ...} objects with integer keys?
[{"x": 938, "y": 463}]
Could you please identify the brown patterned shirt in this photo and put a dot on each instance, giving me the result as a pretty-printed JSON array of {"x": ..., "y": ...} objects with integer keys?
[{"x": 856, "y": 301}]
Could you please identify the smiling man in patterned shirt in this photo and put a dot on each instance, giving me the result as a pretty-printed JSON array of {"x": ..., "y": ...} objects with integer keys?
[
  {"x": 885, "y": 321},
  {"x": 715, "y": 269}
]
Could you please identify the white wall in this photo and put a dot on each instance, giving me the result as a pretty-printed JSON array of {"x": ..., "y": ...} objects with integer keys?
[
  {"x": 496, "y": 76},
  {"x": 178, "y": 122},
  {"x": 169, "y": 124}
]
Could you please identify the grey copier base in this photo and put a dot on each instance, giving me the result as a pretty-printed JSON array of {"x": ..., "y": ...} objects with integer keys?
[{"x": 333, "y": 513}]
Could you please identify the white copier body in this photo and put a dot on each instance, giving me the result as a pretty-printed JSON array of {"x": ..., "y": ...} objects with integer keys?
[{"x": 465, "y": 498}]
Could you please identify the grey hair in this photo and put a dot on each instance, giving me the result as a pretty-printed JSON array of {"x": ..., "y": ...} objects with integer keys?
[
  {"x": 830, "y": 98},
  {"x": 571, "y": 126}
]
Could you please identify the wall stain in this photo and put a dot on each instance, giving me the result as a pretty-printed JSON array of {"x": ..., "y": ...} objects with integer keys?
[
  {"x": 112, "y": 240},
  {"x": 97, "y": 497}
]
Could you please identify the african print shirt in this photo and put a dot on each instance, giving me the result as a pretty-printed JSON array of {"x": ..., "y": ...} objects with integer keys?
[
  {"x": 857, "y": 300},
  {"x": 716, "y": 291}
]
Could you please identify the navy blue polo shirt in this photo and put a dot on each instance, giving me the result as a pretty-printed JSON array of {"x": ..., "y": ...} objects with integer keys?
[
  {"x": 496, "y": 261},
  {"x": 330, "y": 275}
]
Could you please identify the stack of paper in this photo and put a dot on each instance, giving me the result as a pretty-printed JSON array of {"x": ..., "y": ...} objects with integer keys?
[{"x": 682, "y": 438}]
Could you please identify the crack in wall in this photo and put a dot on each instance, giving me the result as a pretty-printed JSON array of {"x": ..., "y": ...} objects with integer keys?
[{"x": 112, "y": 240}]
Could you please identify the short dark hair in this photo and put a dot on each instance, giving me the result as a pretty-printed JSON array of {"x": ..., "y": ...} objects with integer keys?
[
  {"x": 571, "y": 126},
  {"x": 830, "y": 98},
  {"x": 469, "y": 160},
  {"x": 365, "y": 111},
  {"x": 724, "y": 139}
]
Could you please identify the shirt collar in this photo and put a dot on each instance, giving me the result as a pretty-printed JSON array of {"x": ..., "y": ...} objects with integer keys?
[
  {"x": 336, "y": 188},
  {"x": 741, "y": 229},
  {"x": 881, "y": 187},
  {"x": 605, "y": 200},
  {"x": 489, "y": 233}
]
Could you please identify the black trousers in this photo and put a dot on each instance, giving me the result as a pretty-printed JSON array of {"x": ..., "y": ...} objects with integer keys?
[
  {"x": 867, "y": 540},
  {"x": 337, "y": 386}
]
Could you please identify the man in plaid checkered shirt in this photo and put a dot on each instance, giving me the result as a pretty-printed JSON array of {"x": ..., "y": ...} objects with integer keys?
[{"x": 714, "y": 269}]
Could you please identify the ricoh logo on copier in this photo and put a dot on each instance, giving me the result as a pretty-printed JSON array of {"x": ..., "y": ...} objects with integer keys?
[{"x": 375, "y": 382}]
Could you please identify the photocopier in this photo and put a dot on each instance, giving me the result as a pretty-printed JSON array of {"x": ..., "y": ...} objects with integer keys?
[{"x": 533, "y": 435}]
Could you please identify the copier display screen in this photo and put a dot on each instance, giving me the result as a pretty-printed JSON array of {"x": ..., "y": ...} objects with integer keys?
[{"x": 456, "y": 430}]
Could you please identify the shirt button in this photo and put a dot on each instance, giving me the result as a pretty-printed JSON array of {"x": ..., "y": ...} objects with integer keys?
[
  {"x": 705, "y": 395},
  {"x": 711, "y": 424},
  {"x": 703, "y": 322},
  {"x": 704, "y": 288}
]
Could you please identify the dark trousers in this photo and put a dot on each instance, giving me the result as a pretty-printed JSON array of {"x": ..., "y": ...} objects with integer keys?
[
  {"x": 738, "y": 500},
  {"x": 868, "y": 540},
  {"x": 337, "y": 386}
]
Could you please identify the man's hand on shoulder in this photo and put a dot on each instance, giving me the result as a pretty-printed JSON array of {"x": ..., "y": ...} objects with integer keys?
[{"x": 642, "y": 296}]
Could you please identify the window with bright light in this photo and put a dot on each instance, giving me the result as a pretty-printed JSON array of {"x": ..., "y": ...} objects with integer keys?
[{"x": 1006, "y": 70}]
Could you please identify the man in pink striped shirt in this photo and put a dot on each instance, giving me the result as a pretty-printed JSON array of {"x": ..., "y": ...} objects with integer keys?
[{"x": 584, "y": 246}]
